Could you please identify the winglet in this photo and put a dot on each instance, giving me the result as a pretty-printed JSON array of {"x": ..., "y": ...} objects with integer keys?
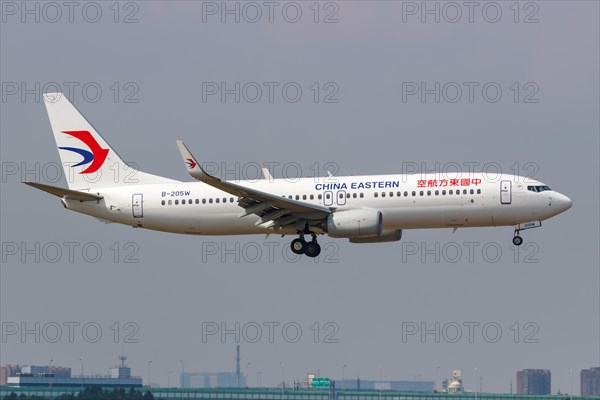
[
  {"x": 267, "y": 175},
  {"x": 192, "y": 165}
]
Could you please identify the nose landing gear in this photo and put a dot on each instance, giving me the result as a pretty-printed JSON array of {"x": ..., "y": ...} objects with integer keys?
[
  {"x": 301, "y": 246},
  {"x": 517, "y": 240}
]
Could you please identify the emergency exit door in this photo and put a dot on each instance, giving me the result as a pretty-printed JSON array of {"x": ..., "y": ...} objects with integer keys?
[
  {"x": 137, "y": 205},
  {"x": 505, "y": 192}
]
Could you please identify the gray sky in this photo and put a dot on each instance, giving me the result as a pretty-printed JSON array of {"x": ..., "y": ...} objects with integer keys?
[{"x": 369, "y": 292}]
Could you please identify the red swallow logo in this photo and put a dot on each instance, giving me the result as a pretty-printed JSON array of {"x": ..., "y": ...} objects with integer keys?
[
  {"x": 96, "y": 156},
  {"x": 191, "y": 163}
]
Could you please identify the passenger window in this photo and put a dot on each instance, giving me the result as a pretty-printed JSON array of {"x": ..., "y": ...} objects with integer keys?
[
  {"x": 362, "y": 195},
  {"x": 170, "y": 202},
  {"x": 341, "y": 195},
  {"x": 197, "y": 201},
  {"x": 376, "y": 194},
  {"x": 203, "y": 201},
  {"x": 312, "y": 196},
  {"x": 421, "y": 193},
  {"x": 464, "y": 191},
  {"x": 414, "y": 193},
  {"x": 478, "y": 191},
  {"x": 437, "y": 192},
  {"x": 429, "y": 193},
  {"x": 472, "y": 191},
  {"x": 224, "y": 199},
  {"x": 183, "y": 201},
  {"x": 303, "y": 197},
  {"x": 231, "y": 200},
  {"x": 176, "y": 202},
  {"x": 320, "y": 196},
  {"x": 162, "y": 202},
  {"x": 347, "y": 195},
  {"x": 443, "y": 192},
  {"x": 450, "y": 191},
  {"x": 297, "y": 197},
  {"x": 210, "y": 200},
  {"x": 354, "y": 195},
  {"x": 327, "y": 196},
  {"x": 382, "y": 194},
  {"x": 217, "y": 200},
  {"x": 399, "y": 194}
]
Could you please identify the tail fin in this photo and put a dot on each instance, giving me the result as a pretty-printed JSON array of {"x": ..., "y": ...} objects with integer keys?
[{"x": 88, "y": 160}]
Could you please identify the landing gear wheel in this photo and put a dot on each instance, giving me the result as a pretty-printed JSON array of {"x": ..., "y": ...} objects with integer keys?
[
  {"x": 517, "y": 240},
  {"x": 299, "y": 246},
  {"x": 313, "y": 249}
]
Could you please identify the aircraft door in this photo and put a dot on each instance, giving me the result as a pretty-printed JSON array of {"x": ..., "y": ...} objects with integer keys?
[
  {"x": 137, "y": 205},
  {"x": 505, "y": 192},
  {"x": 341, "y": 197},
  {"x": 328, "y": 198}
]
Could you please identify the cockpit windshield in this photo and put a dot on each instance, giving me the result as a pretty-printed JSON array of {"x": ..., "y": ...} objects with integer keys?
[{"x": 538, "y": 188}]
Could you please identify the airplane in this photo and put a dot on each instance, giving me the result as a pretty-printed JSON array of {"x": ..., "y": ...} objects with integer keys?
[{"x": 363, "y": 209}]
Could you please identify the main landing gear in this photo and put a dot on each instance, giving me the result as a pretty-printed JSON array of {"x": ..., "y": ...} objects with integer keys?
[{"x": 301, "y": 246}]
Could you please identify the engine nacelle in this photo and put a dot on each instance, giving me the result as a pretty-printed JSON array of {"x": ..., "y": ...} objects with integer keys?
[
  {"x": 356, "y": 223},
  {"x": 386, "y": 236}
]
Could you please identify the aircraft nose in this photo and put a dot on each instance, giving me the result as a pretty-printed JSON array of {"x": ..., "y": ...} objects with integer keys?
[{"x": 562, "y": 202}]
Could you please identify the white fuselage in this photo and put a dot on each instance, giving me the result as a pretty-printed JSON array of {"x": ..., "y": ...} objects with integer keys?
[{"x": 405, "y": 201}]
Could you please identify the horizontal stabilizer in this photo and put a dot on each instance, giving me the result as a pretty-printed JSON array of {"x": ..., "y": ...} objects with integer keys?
[{"x": 65, "y": 193}]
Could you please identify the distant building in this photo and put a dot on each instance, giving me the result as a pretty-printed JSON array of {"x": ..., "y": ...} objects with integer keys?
[
  {"x": 445, "y": 385},
  {"x": 397, "y": 386},
  {"x": 9, "y": 371},
  {"x": 590, "y": 382},
  {"x": 534, "y": 381},
  {"x": 6, "y": 371},
  {"x": 47, "y": 376},
  {"x": 121, "y": 371},
  {"x": 212, "y": 380},
  {"x": 453, "y": 385},
  {"x": 59, "y": 372}
]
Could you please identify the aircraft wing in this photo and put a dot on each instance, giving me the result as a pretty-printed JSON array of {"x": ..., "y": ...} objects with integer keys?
[{"x": 274, "y": 211}]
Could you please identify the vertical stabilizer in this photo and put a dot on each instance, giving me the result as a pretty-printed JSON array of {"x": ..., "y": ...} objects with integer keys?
[{"x": 88, "y": 160}]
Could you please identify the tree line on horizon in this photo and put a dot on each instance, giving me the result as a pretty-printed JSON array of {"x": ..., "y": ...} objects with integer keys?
[{"x": 91, "y": 393}]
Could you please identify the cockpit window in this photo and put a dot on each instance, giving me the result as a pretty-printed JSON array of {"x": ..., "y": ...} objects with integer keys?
[{"x": 538, "y": 188}]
